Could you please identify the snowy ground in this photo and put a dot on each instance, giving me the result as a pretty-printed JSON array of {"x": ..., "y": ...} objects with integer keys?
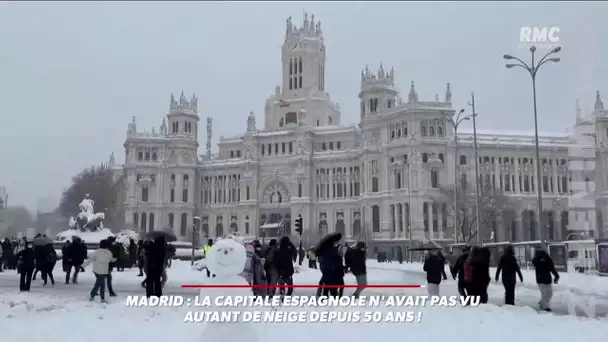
[
  {"x": 572, "y": 287},
  {"x": 65, "y": 312}
]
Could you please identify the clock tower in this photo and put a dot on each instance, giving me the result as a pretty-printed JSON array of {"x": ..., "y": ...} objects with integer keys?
[{"x": 302, "y": 100}]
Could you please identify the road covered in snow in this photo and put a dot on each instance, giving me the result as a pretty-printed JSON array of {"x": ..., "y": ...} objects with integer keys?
[{"x": 65, "y": 312}]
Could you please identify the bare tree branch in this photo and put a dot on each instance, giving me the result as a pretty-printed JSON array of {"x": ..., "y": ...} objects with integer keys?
[{"x": 492, "y": 206}]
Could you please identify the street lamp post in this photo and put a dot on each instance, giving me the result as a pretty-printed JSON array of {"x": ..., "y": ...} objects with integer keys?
[
  {"x": 455, "y": 121},
  {"x": 532, "y": 69},
  {"x": 195, "y": 235},
  {"x": 408, "y": 163},
  {"x": 475, "y": 155}
]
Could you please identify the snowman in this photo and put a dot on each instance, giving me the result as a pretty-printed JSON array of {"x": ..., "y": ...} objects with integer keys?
[{"x": 226, "y": 261}]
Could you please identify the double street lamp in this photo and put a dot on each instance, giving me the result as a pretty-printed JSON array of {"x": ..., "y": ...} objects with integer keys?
[
  {"x": 532, "y": 69},
  {"x": 455, "y": 121}
]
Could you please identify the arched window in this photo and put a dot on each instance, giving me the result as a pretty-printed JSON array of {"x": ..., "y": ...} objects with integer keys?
[
  {"x": 151, "y": 223},
  {"x": 375, "y": 219},
  {"x": 171, "y": 220},
  {"x": 144, "y": 222},
  {"x": 291, "y": 118},
  {"x": 276, "y": 197},
  {"x": 184, "y": 225}
]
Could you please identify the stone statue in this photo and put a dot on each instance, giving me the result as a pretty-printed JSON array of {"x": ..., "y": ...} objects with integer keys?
[
  {"x": 248, "y": 155},
  {"x": 87, "y": 219},
  {"x": 301, "y": 148}
]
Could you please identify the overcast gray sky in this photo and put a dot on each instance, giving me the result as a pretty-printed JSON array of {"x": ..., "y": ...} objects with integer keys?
[{"x": 73, "y": 74}]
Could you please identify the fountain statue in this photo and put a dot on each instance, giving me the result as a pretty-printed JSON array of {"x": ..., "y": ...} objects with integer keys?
[{"x": 87, "y": 219}]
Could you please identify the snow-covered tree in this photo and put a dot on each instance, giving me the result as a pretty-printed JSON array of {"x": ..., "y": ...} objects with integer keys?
[{"x": 96, "y": 181}]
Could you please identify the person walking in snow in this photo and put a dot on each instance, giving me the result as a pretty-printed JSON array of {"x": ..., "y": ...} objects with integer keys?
[
  {"x": 26, "y": 260},
  {"x": 354, "y": 260},
  {"x": 207, "y": 249},
  {"x": 141, "y": 255},
  {"x": 66, "y": 260},
  {"x": 544, "y": 268},
  {"x": 155, "y": 264},
  {"x": 479, "y": 265},
  {"x": 458, "y": 270},
  {"x": 101, "y": 259},
  {"x": 510, "y": 268},
  {"x": 332, "y": 268},
  {"x": 48, "y": 264},
  {"x": 78, "y": 254},
  {"x": 283, "y": 264},
  {"x": 114, "y": 248},
  {"x": 434, "y": 266}
]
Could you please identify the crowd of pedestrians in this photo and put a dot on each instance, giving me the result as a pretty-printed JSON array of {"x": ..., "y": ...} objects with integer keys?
[
  {"x": 472, "y": 271},
  {"x": 271, "y": 265}
]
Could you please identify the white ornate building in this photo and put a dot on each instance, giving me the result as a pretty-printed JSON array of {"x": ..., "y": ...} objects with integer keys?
[{"x": 363, "y": 179}]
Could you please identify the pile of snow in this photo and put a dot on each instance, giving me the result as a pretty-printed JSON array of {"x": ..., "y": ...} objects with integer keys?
[
  {"x": 125, "y": 236},
  {"x": 88, "y": 237}
]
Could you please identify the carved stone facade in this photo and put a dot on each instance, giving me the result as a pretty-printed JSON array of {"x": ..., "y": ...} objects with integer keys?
[{"x": 377, "y": 180}]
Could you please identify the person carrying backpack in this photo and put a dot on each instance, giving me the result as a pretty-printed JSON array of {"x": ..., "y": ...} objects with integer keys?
[{"x": 458, "y": 271}]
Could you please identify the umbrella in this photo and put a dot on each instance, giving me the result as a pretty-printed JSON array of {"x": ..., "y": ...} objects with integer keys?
[
  {"x": 426, "y": 246},
  {"x": 42, "y": 241},
  {"x": 169, "y": 236},
  {"x": 328, "y": 241}
]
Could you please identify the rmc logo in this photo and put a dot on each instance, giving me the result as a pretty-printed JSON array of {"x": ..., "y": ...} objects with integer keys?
[
  {"x": 541, "y": 37},
  {"x": 586, "y": 305}
]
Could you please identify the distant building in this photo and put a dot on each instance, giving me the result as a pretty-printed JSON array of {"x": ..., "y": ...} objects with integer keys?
[{"x": 376, "y": 180}]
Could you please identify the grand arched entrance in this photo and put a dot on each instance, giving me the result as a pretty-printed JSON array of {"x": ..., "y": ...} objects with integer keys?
[{"x": 275, "y": 211}]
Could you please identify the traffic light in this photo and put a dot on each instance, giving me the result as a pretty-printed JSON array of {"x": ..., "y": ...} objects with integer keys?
[{"x": 299, "y": 224}]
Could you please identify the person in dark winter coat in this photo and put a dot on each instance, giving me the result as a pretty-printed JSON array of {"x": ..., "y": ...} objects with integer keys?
[
  {"x": 272, "y": 276},
  {"x": 66, "y": 260},
  {"x": 480, "y": 271},
  {"x": 544, "y": 268},
  {"x": 132, "y": 253},
  {"x": 25, "y": 262},
  {"x": 48, "y": 264},
  {"x": 283, "y": 263},
  {"x": 115, "y": 249},
  {"x": 141, "y": 252},
  {"x": 434, "y": 266},
  {"x": 155, "y": 265},
  {"x": 78, "y": 254},
  {"x": 457, "y": 270},
  {"x": 509, "y": 267},
  {"x": 332, "y": 269},
  {"x": 354, "y": 260}
]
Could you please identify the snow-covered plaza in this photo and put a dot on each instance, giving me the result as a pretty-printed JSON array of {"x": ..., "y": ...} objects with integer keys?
[{"x": 63, "y": 312}]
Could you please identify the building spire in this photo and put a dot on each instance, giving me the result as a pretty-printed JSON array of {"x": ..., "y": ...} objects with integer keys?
[
  {"x": 413, "y": 96},
  {"x": 448, "y": 93},
  {"x": 599, "y": 105}
]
